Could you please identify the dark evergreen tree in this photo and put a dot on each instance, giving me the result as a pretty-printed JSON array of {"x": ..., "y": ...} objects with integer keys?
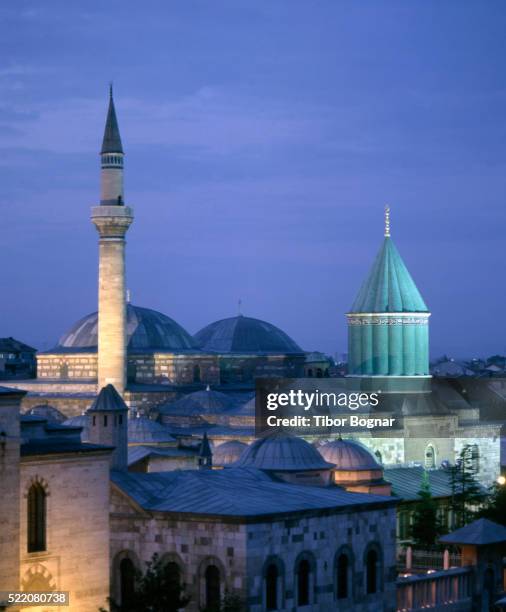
[
  {"x": 426, "y": 526},
  {"x": 467, "y": 493}
]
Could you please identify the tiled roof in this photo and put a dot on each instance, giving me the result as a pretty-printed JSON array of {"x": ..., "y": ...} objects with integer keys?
[
  {"x": 478, "y": 532},
  {"x": 389, "y": 286},
  {"x": 235, "y": 493},
  {"x": 108, "y": 400},
  {"x": 15, "y": 346},
  {"x": 136, "y": 453},
  {"x": 407, "y": 482}
]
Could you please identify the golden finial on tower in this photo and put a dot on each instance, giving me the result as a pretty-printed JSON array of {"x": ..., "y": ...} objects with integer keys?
[{"x": 387, "y": 221}]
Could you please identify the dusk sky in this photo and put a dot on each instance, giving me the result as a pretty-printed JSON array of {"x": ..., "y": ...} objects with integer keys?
[{"x": 263, "y": 139}]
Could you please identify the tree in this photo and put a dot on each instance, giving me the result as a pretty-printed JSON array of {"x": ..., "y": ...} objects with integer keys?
[
  {"x": 426, "y": 526},
  {"x": 467, "y": 493},
  {"x": 494, "y": 508},
  {"x": 158, "y": 589}
]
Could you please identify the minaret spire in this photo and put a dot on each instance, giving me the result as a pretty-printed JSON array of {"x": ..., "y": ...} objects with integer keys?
[
  {"x": 112, "y": 220},
  {"x": 387, "y": 221}
]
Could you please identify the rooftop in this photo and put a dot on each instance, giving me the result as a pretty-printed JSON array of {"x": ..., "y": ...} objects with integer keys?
[
  {"x": 147, "y": 330},
  {"x": 234, "y": 492},
  {"x": 245, "y": 335},
  {"x": 389, "y": 286},
  {"x": 282, "y": 452},
  {"x": 477, "y": 533}
]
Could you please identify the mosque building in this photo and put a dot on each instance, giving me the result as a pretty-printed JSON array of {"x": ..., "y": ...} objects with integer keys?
[
  {"x": 203, "y": 383},
  {"x": 283, "y": 522}
]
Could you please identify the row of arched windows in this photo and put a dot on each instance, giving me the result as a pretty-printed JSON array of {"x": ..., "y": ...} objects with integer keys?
[{"x": 306, "y": 577}]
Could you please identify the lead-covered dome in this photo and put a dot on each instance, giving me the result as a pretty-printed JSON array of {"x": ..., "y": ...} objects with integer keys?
[
  {"x": 244, "y": 335},
  {"x": 228, "y": 452},
  {"x": 282, "y": 452},
  {"x": 146, "y": 330},
  {"x": 142, "y": 429},
  {"x": 205, "y": 401},
  {"x": 348, "y": 455}
]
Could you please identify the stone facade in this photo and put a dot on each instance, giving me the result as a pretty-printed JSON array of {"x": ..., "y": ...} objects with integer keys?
[
  {"x": 242, "y": 549},
  {"x": 144, "y": 368},
  {"x": 76, "y": 558},
  {"x": 10, "y": 499},
  {"x": 245, "y": 368}
]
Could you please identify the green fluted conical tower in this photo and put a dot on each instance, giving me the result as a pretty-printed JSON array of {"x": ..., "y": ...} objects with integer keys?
[{"x": 388, "y": 324}]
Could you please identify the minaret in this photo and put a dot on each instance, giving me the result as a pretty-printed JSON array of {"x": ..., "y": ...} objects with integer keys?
[
  {"x": 388, "y": 324},
  {"x": 108, "y": 424},
  {"x": 112, "y": 220}
]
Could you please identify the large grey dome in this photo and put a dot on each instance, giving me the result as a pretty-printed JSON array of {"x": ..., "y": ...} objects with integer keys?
[
  {"x": 282, "y": 452},
  {"x": 245, "y": 335},
  {"x": 146, "y": 330},
  {"x": 349, "y": 455}
]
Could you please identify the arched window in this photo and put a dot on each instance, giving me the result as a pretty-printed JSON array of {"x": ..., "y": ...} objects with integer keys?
[
  {"x": 430, "y": 457},
  {"x": 36, "y": 518},
  {"x": 319, "y": 373},
  {"x": 371, "y": 570},
  {"x": 303, "y": 579},
  {"x": 310, "y": 373},
  {"x": 213, "y": 592},
  {"x": 271, "y": 587},
  {"x": 127, "y": 580},
  {"x": 173, "y": 580},
  {"x": 343, "y": 570}
]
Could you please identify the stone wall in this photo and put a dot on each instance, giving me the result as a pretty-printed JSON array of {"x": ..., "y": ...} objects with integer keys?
[
  {"x": 241, "y": 550},
  {"x": 9, "y": 500},
  {"x": 77, "y": 555}
]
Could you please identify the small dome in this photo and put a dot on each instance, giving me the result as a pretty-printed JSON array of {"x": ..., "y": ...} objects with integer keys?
[
  {"x": 228, "y": 452},
  {"x": 282, "y": 452},
  {"x": 80, "y": 421},
  {"x": 143, "y": 429},
  {"x": 246, "y": 409},
  {"x": 146, "y": 330},
  {"x": 244, "y": 335},
  {"x": 198, "y": 402},
  {"x": 52, "y": 414},
  {"x": 349, "y": 455}
]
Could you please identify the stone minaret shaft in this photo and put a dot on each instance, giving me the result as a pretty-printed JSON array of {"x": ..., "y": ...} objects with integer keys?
[{"x": 112, "y": 220}]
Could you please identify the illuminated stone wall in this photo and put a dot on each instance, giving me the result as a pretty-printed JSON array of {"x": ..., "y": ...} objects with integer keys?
[
  {"x": 241, "y": 550},
  {"x": 77, "y": 556},
  {"x": 9, "y": 500}
]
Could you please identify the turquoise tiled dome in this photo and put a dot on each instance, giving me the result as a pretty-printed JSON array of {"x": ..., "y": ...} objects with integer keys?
[{"x": 389, "y": 286}]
